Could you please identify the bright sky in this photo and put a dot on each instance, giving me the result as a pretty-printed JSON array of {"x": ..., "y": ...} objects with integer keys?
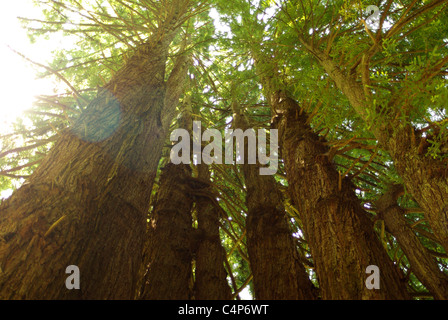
[
  {"x": 18, "y": 84},
  {"x": 17, "y": 80}
]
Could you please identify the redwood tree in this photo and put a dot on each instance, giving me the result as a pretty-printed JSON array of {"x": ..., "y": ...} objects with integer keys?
[
  {"x": 87, "y": 202},
  {"x": 391, "y": 105},
  {"x": 210, "y": 273},
  {"x": 358, "y": 110},
  {"x": 278, "y": 272}
]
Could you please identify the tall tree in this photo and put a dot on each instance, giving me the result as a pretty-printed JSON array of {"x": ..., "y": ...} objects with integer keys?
[
  {"x": 278, "y": 272},
  {"x": 392, "y": 102},
  {"x": 90, "y": 195},
  {"x": 169, "y": 271},
  {"x": 341, "y": 236},
  {"x": 210, "y": 273},
  {"x": 359, "y": 109},
  {"x": 424, "y": 265}
]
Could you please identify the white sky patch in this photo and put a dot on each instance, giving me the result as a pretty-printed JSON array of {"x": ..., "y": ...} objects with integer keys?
[
  {"x": 6, "y": 193},
  {"x": 18, "y": 83},
  {"x": 245, "y": 294},
  {"x": 219, "y": 25},
  {"x": 267, "y": 14}
]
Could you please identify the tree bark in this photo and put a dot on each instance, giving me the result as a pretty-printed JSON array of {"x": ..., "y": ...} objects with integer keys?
[
  {"x": 210, "y": 276},
  {"x": 422, "y": 263},
  {"x": 425, "y": 178},
  {"x": 340, "y": 234},
  {"x": 87, "y": 203},
  {"x": 169, "y": 273},
  {"x": 278, "y": 273}
]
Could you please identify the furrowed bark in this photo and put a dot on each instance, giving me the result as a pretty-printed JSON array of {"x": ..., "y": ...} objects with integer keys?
[
  {"x": 170, "y": 231},
  {"x": 278, "y": 273},
  {"x": 422, "y": 263},
  {"x": 340, "y": 234},
  {"x": 169, "y": 271},
  {"x": 425, "y": 178},
  {"x": 210, "y": 276},
  {"x": 87, "y": 203}
]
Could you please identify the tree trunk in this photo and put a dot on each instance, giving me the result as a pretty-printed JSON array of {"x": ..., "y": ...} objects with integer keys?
[
  {"x": 278, "y": 273},
  {"x": 422, "y": 263},
  {"x": 169, "y": 272},
  {"x": 87, "y": 203},
  {"x": 425, "y": 178},
  {"x": 210, "y": 276},
  {"x": 340, "y": 234}
]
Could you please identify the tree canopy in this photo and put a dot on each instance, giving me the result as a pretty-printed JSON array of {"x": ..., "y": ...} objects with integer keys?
[{"x": 374, "y": 92}]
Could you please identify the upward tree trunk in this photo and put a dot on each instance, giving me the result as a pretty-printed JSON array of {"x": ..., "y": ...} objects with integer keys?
[
  {"x": 210, "y": 276},
  {"x": 425, "y": 178},
  {"x": 340, "y": 234},
  {"x": 169, "y": 272},
  {"x": 422, "y": 263},
  {"x": 278, "y": 273},
  {"x": 87, "y": 203}
]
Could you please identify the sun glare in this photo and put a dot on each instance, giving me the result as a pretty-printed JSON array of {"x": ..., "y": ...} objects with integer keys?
[{"x": 18, "y": 83}]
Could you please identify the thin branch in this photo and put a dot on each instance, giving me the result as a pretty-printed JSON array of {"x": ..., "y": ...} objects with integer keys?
[{"x": 76, "y": 92}]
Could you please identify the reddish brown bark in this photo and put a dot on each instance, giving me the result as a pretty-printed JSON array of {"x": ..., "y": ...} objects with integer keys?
[
  {"x": 87, "y": 203},
  {"x": 339, "y": 233},
  {"x": 425, "y": 178},
  {"x": 278, "y": 273},
  {"x": 169, "y": 272},
  {"x": 338, "y": 230},
  {"x": 421, "y": 261},
  {"x": 210, "y": 275}
]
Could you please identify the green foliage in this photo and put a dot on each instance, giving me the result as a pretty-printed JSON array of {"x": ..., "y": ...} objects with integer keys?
[{"x": 100, "y": 37}]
